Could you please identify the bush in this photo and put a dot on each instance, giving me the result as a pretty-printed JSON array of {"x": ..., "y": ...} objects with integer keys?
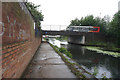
[
  {"x": 68, "y": 54},
  {"x": 96, "y": 43},
  {"x": 65, "y": 51},
  {"x": 62, "y": 50}
]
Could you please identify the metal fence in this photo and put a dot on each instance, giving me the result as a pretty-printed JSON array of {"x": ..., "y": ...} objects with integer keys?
[{"x": 54, "y": 27}]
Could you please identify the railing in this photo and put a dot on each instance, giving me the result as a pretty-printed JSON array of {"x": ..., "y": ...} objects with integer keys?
[
  {"x": 71, "y": 28},
  {"x": 54, "y": 27}
]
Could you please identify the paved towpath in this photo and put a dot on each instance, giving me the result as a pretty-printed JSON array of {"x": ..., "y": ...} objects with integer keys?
[{"x": 47, "y": 64}]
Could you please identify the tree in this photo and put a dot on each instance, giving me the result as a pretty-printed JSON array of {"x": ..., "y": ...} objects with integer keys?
[
  {"x": 35, "y": 13},
  {"x": 90, "y": 21},
  {"x": 107, "y": 18},
  {"x": 114, "y": 30},
  {"x": 110, "y": 28},
  {"x": 75, "y": 22},
  {"x": 101, "y": 23},
  {"x": 87, "y": 21}
]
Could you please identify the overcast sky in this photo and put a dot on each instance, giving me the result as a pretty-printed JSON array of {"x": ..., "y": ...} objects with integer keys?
[{"x": 61, "y": 12}]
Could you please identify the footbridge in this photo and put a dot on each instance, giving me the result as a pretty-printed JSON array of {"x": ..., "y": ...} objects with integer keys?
[
  {"x": 67, "y": 33},
  {"x": 76, "y": 34}
]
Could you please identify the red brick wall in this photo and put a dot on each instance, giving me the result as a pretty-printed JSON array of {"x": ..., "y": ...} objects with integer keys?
[{"x": 18, "y": 40}]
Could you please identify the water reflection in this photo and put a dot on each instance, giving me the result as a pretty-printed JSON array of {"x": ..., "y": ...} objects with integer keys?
[
  {"x": 54, "y": 42},
  {"x": 57, "y": 42},
  {"x": 106, "y": 65}
]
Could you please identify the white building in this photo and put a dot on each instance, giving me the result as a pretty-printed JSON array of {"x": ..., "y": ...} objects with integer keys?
[{"x": 119, "y": 6}]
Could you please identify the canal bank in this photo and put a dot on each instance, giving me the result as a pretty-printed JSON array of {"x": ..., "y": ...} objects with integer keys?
[
  {"x": 75, "y": 68},
  {"x": 47, "y": 64},
  {"x": 92, "y": 61}
]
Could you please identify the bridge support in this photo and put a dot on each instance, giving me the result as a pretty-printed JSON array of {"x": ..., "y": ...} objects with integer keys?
[{"x": 77, "y": 39}]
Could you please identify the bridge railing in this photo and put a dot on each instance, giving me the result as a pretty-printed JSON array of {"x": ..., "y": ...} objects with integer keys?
[
  {"x": 54, "y": 27},
  {"x": 71, "y": 28}
]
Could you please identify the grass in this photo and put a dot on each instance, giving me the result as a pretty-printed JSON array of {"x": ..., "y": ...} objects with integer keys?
[
  {"x": 46, "y": 39},
  {"x": 99, "y": 50},
  {"x": 69, "y": 64},
  {"x": 65, "y": 51},
  {"x": 111, "y": 47},
  {"x": 96, "y": 43},
  {"x": 107, "y": 46},
  {"x": 72, "y": 65},
  {"x": 95, "y": 71},
  {"x": 62, "y": 38}
]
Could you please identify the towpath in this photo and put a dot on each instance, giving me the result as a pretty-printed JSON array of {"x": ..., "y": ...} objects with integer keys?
[{"x": 47, "y": 64}]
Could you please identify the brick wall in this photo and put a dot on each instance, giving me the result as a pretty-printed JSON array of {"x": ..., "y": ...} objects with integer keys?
[{"x": 18, "y": 39}]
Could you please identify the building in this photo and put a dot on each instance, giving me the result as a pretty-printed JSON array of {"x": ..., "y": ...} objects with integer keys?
[{"x": 119, "y": 6}]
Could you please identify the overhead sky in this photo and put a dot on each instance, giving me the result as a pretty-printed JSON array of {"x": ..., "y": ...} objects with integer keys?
[{"x": 61, "y": 12}]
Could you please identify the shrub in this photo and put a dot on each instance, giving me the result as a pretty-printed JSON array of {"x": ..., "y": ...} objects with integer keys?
[
  {"x": 65, "y": 51},
  {"x": 62, "y": 50}
]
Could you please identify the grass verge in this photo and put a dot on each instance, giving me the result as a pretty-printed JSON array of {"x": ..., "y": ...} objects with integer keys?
[
  {"x": 99, "y": 50},
  {"x": 72, "y": 65}
]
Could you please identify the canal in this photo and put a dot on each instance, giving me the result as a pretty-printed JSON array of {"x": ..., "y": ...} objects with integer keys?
[{"x": 93, "y": 62}]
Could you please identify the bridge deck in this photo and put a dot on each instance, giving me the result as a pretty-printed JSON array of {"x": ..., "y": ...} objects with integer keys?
[{"x": 47, "y": 32}]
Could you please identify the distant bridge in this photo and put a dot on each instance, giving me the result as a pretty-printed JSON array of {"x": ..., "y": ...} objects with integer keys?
[
  {"x": 77, "y": 34},
  {"x": 67, "y": 33},
  {"x": 71, "y": 30}
]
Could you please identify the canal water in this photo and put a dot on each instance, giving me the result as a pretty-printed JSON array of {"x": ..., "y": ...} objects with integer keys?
[{"x": 92, "y": 61}]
